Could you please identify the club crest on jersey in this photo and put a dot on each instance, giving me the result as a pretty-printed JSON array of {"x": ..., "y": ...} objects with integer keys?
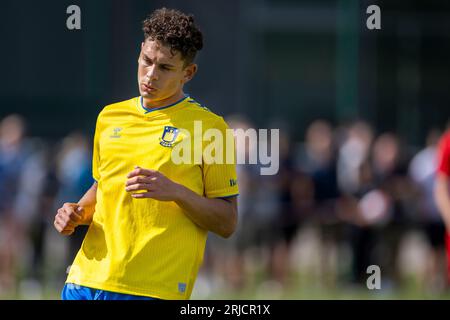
[{"x": 169, "y": 136}]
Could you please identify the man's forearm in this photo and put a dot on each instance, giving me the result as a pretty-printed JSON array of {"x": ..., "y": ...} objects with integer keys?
[
  {"x": 442, "y": 197},
  {"x": 216, "y": 215},
  {"x": 88, "y": 202}
]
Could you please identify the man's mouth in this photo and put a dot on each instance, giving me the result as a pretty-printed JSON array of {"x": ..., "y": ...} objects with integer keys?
[{"x": 147, "y": 88}]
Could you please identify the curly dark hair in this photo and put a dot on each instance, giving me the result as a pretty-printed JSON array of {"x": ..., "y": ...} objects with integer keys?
[{"x": 176, "y": 30}]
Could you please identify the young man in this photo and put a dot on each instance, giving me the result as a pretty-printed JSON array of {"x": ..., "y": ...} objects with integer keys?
[
  {"x": 442, "y": 190},
  {"x": 149, "y": 217}
]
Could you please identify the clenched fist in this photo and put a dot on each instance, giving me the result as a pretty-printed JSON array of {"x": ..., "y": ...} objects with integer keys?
[{"x": 68, "y": 217}]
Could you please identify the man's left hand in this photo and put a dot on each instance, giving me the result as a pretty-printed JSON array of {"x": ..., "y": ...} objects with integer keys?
[{"x": 153, "y": 184}]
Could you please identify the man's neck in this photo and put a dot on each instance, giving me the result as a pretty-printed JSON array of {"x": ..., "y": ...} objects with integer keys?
[{"x": 152, "y": 104}]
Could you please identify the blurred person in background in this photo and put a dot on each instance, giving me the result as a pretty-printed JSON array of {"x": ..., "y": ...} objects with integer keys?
[
  {"x": 28, "y": 187},
  {"x": 74, "y": 176},
  {"x": 262, "y": 223},
  {"x": 34, "y": 204},
  {"x": 422, "y": 170},
  {"x": 317, "y": 159},
  {"x": 267, "y": 223},
  {"x": 14, "y": 152},
  {"x": 355, "y": 181},
  {"x": 353, "y": 152},
  {"x": 442, "y": 189},
  {"x": 288, "y": 220},
  {"x": 225, "y": 261},
  {"x": 394, "y": 193}
]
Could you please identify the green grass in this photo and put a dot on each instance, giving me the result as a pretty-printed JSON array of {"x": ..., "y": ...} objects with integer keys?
[{"x": 299, "y": 287}]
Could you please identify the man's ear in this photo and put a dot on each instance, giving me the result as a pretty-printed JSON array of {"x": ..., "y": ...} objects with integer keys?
[{"x": 189, "y": 72}]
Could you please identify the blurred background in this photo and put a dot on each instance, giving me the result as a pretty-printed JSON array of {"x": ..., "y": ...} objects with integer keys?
[{"x": 359, "y": 111}]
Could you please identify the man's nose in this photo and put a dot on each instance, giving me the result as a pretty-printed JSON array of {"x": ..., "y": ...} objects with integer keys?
[{"x": 151, "y": 73}]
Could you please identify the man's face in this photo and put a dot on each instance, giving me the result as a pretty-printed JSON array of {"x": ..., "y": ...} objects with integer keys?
[{"x": 161, "y": 75}]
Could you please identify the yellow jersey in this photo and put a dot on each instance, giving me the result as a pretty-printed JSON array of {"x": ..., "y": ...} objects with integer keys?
[{"x": 144, "y": 246}]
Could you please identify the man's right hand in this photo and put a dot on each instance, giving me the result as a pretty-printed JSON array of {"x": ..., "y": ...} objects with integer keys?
[{"x": 68, "y": 217}]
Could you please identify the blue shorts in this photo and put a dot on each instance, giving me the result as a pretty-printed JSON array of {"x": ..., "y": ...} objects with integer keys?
[{"x": 76, "y": 292}]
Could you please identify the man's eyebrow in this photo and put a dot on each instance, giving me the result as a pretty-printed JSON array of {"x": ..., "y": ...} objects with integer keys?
[
  {"x": 167, "y": 65},
  {"x": 161, "y": 64}
]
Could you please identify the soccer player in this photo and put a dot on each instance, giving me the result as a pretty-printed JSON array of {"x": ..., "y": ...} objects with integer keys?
[
  {"x": 442, "y": 190},
  {"x": 149, "y": 217}
]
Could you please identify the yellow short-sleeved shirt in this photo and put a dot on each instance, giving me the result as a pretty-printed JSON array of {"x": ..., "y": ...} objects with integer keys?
[{"x": 144, "y": 246}]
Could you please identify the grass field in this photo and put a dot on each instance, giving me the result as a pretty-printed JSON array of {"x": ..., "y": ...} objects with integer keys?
[{"x": 270, "y": 291}]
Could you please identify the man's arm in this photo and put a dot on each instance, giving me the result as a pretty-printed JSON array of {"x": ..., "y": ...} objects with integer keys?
[
  {"x": 87, "y": 203},
  {"x": 442, "y": 197},
  {"x": 216, "y": 215},
  {"x": 213, "y": 214},
  {"x": 71, "y": 215}
]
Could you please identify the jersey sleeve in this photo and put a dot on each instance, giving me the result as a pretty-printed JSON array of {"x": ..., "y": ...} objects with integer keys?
[
  {"x": 219, "y": 177},
  {"x": 443, "y": 160},
  {"x": 96, "y": 152}
]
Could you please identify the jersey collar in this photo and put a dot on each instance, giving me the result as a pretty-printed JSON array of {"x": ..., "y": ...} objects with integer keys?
[{"x": 148, "y": 110}]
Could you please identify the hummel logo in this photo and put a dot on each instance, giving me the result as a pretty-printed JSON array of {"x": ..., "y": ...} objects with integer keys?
[{"x": 116, "y": 133}]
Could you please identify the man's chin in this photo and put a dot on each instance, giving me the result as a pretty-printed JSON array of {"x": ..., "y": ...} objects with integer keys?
[
  {"x": 147, "y": 95},
  {"x": 151, "y": 98}
]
